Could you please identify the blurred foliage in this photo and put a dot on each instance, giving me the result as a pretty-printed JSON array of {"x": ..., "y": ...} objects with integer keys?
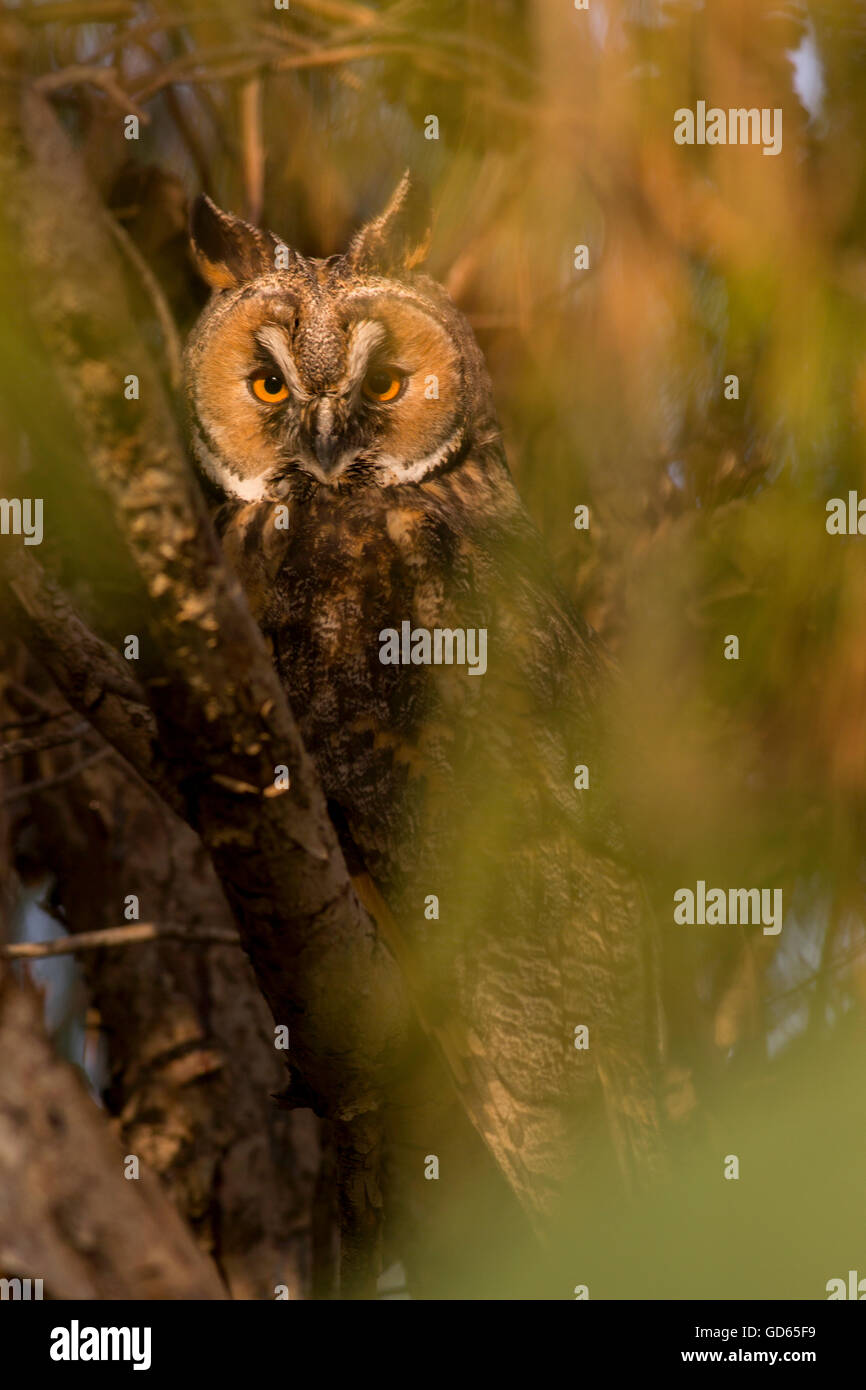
[{"x": 707, "y": 514}]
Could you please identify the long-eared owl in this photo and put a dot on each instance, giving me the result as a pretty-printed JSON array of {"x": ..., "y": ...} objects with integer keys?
[{"x": 343, "y": 420}]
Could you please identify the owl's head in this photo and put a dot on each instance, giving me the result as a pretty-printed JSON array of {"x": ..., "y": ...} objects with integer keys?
[{"x": 346, "y": 372}]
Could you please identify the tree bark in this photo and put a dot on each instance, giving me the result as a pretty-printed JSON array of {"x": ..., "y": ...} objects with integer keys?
[
  {"x": 189, "y": 1042},
  {"x": 68, "y": 1215}
]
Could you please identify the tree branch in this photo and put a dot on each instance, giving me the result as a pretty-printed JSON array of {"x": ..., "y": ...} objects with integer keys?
[
  {"x": 94, "y": 678},
  {"x": 55, "y": 779},
  {"x": 38, "y": 743},
  {"x": 67, "y": 1213},
  {"x": 131, "y": 935},
  {"x": 221, "y": 714}
]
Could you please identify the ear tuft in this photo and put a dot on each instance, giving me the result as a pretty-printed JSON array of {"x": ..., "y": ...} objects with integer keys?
[
  {"x": 227, "y": 250},
  {"x": 399, "y": 238}
]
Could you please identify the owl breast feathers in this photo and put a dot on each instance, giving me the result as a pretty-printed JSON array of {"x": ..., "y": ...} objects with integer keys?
[{"x": 342, "y": 418}]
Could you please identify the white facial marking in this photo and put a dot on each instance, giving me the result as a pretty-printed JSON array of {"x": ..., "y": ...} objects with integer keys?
[
  {"x": 246, "y": 489},
  {"x": 364, "y": 338},
  {"x": 391, "y": 470},
  {"x": 276, "y": 341}
]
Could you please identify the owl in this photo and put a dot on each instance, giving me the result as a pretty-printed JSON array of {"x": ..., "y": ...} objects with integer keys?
[{"x": 343, "y": 422}]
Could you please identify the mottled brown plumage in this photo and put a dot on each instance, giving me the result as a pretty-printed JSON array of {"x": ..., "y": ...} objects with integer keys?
[{"x": 346, "y": 515}]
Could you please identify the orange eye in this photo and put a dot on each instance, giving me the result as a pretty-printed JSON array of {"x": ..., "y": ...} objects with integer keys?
[
  {"x": 270, "y": 389},
  {"x": 382, "y": 384}
]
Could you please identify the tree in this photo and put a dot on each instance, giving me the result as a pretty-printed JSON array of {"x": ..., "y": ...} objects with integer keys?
[{"x": 705, "y": 519}]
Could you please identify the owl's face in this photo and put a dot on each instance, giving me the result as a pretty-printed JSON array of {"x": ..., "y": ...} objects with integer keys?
[{"x": 348, "y": 372}]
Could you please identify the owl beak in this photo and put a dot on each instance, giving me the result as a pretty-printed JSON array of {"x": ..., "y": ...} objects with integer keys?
[
  {"x": 327, "y": 453},
  {"x": 326, "y": 445}
]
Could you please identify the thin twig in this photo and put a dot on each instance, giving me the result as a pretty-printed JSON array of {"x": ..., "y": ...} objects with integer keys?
[
  {"x": 132, "y": 935},
  {"x": 252, "y": 148},
  {"x": 46, "y": 783},
  {"x": 359, "y": 16},
  {"x": 171, "y": 337},
  {"x": 27, "y": 721},
  {"x": 103, "y": 78},
  {"x": 838, "y": 964},
  {"x": 136, "y": 35},
  {"x": 81, "y": 12},
  {"x": 825, "y": 969},
  {"x": 209, "y": 68},
  {"x": 19, "y": 747},
  {"x": 191, "y": 136}
]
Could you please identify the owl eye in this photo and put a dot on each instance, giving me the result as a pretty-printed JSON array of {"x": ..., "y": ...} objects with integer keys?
[
  {"x": 270, "y": 389},
  {"x": 382, "y": 384}
]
